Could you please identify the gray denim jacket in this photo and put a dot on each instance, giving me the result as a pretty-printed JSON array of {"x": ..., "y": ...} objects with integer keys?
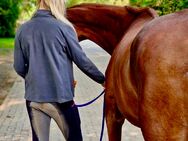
[{"x": 44, "y": 50}]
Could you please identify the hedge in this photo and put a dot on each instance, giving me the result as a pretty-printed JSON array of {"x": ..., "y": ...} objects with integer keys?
[{"x": 9, "y": 13}]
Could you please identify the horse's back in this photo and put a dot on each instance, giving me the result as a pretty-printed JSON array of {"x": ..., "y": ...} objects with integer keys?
[{"x": 159, "y": 64}]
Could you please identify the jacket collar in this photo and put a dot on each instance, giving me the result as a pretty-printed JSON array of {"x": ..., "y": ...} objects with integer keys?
[{"x": 42, "y": 13}]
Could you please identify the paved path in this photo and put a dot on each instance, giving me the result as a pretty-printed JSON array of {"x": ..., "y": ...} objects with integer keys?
[{"x": 14, "y": 123}]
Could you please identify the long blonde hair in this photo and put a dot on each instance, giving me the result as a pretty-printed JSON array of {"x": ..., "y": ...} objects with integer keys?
[{"x": 57, "y": 7}]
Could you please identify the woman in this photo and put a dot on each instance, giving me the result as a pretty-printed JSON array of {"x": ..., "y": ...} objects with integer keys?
[{"x": 45, "y": 48}]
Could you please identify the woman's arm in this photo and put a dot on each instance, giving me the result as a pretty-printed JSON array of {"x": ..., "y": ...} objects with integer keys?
[
  {"x": 19, "y": 61},
  {"x": 76, "y": 53}
]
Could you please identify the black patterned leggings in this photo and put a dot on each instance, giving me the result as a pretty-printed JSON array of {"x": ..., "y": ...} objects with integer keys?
[{"x": 65, "y": 115}]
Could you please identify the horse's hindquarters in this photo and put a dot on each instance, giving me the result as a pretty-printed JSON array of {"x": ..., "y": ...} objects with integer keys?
[{"x": 161, "y": 61}]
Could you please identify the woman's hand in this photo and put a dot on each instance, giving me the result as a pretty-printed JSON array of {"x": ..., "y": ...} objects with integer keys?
[
  {"x": 74, "y": 83},
  {"x": 103, "y": 84}
]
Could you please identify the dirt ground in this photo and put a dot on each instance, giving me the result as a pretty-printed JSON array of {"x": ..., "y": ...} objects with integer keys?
[{"x": 7, "y": 75}]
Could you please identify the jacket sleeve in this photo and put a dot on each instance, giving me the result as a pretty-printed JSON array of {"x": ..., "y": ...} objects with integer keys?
[
  {"x": 19, "y": 61},
  {"x": 76, "y": 53}
]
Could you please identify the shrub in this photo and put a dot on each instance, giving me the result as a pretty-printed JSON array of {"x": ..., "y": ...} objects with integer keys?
[
  {"x": 162, "y": 6},
  {"x": 9, "y": 13}
]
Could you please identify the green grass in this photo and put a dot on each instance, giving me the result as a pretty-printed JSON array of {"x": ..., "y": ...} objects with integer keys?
[
  {"x": 6, "y": 42},
  {"x": 6, "y": 45}
]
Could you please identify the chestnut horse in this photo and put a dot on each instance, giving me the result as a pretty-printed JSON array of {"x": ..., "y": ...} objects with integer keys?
[{"x": 147, "y": 77}]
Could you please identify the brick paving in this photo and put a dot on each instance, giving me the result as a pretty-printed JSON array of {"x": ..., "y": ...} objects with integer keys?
[{"x": 14, "y": 123}]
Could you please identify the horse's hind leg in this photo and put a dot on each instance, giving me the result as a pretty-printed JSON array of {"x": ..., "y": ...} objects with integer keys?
[
  {"x": 161, "y": 128},
  {"x": 114, "y": 119},
  {"x": 163, "y": 112}
]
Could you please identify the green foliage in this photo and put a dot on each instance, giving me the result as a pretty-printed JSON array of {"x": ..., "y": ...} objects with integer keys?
[
  {"x": 114, "y": 2},
  {"x": 162, "y": 6},
  {"x": 27, "y": 9},
  {"x": 9, "y": 12}
]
